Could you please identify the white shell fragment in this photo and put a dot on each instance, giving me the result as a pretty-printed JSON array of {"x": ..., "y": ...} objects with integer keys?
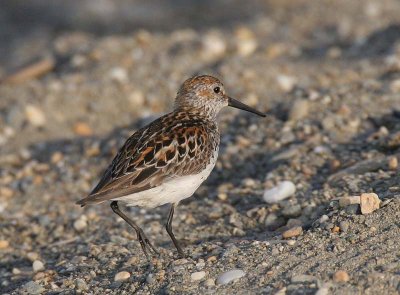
[
  {"x": 230, "y": 276},
  {"x": 280, "y": 192}
]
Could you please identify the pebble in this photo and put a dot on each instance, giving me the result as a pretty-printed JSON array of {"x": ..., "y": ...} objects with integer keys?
[
  {"x": 32, "y": 256},
  {"x": 4, "y": 244},
  {"x": 353, "y": 209},
  {"x": 292, "y": 222},
  {"x": 280, "y": 192},
  {"x": 346, "y": 201},
  {"x": 246, "y": 41},
  {"x": 323, "y": 218},
  {"x": 56, "y": 157},
  {"x": 293, "y": 232},
  {"x": 273, "y": 222},
  {"x": 82, "y": 129},
  {"x": 16, "y": 271},
  {"x": 209, "y": 282},
  {"x": 292, "y": 211},
  {"x": 197, "y": 276},
  {"x": 35, "y": 116},
  {"x": 286, "y": 83},
  {"x": 37, "y": 266},
  {"x": 6, "y": 192},
  {"x": 81, "y": 285},
  {"x": 341, "y": 276},
  {"x": 369, "y": 203},
  {"x": 393, "y": 163},
  {"x": 136, "y": 98},
  {"x": 299, "y": 110},
  {"x": 33, "y": 288},
  {"x": 303, "y": 278},
  {"x": 80, "y": 224},
  {"x": 213, "y": 46},
  {"x": 119, "y": 74},
  {"x": 344, "y": 226},
  {"x": 122, "y": 276},
  {"x": 230, "y": 276},
  {"x": 324, "y": 289}
]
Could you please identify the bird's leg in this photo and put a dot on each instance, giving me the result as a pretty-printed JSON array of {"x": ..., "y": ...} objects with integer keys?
[
  {"x": 143, "y": 240},
  {"x": 168, "y": 227}
]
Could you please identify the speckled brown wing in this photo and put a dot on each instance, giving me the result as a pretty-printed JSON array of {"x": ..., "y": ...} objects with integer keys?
[{"x": 172, "y": 146}]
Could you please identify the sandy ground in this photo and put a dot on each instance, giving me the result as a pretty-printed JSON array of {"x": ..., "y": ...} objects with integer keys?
[{"x": 328, "y": 74}]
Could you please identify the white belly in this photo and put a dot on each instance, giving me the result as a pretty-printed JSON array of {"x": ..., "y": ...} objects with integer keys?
[{"x": 172, "y": 191}]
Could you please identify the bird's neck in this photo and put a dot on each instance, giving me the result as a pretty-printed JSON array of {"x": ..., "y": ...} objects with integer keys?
[{"x": 204, "y": 112}]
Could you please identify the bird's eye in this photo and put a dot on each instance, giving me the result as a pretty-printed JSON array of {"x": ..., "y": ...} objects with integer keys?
[{"x": 217, "y": 89}]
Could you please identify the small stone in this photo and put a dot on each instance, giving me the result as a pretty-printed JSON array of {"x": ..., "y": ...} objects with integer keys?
[
  {"x": 56, "y": 157},
  {"x": 4, "y": 244},
  {"x": 82, "y": 129},
  {"x": 273, "y": 222},
  {"x": 286, "y": 83},
  {"x": 281, "y": 291},
  {"x": 119, "y": 74},
  {"x": 323, "y": 218},
  {"x": 16, "y": 271},
  {"x": 353, "y": 209},
  {"x": 291, "y": 242},
  {"x": 344, "y": 226},
  {"x": 209, "y": 282},
  {"x": 335, "y": 229},
  {"x": 324, "y": 289},
  {"x": 292, "y": 222},
  {"x": 122, "y": 276},
  {"x": 35, "y": 116},
  {"x": 393, "y": 163},
  {"x": 6, "y": 193},
  {"x": 230, "y": 276},
  {"x": 213, "y": 46},
  {"x": 33, "y": 288},
  {"x": 341, "y": 276},
  {"x": 246, "y": 41},
  {"x": 293, "y": 232},
  {"x": 81, "y": 285},
  {"x": 369, "y": 203},
  {"x": 346, "y": 201},
  {"x": 280, "y": 192},
  {"x": 292, "y": 211},
  {"x": 80, "y": 224},
  {"x": 32, "y": 256},
  {"x": 150, "y": 278},
  {"x": 37, "y": 266},
  {"x": 303, "y": 279},
  {"x": 197, "y": 276},
  {"x": 299, "y": 110},
  {"x": 395, "y": 86},
  {"x": 136, "y": 98}
]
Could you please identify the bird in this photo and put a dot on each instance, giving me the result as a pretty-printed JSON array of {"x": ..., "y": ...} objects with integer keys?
[{"x": 167, "y": 160}]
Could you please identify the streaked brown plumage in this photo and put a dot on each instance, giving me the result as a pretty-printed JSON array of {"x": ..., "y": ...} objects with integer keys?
[
  {"x": 177, "y": 144},
  {"x": 166, "y": 161}
]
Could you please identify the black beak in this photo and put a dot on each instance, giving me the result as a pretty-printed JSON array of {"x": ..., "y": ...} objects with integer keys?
[{"x": 237, "y": 104}]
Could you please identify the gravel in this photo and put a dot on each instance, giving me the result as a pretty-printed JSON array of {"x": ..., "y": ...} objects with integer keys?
[{"x": 328, "y": 84}]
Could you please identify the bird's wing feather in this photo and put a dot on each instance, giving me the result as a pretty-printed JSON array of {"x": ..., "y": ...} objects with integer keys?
[{"x": 164, "y": 150}]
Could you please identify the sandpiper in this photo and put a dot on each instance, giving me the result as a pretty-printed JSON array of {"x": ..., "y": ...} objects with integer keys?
[{"x": 167, "y": 160}]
